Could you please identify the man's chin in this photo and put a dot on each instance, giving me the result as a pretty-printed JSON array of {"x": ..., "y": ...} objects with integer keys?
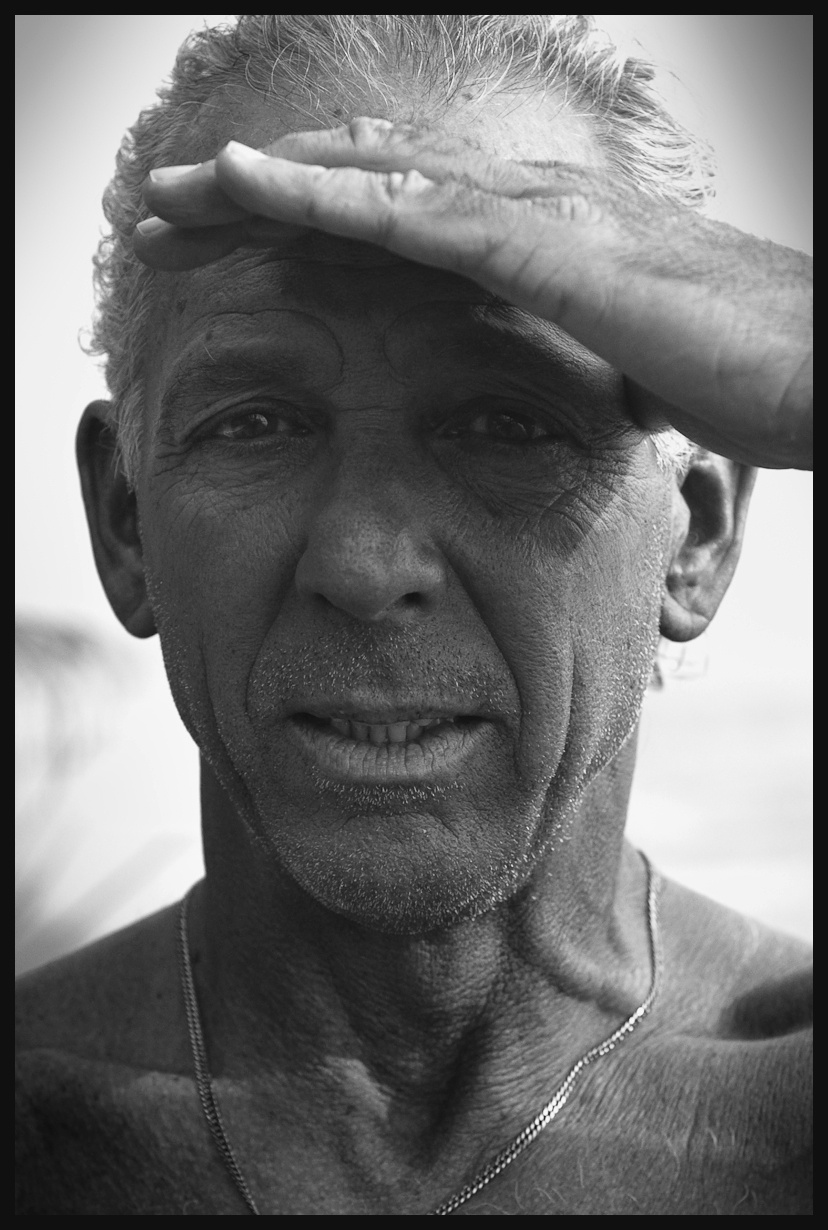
[
  {"x": 399, "y": 872},
  {"x": 414, "y": 906},
  {"x": 380, "y": 799}
]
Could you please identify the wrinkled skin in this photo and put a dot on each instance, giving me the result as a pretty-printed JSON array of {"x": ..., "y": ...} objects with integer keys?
[
  {"x": 387, "y": 535},
  {"x": 712, "y": 327},
  {"x": 367, "y": 478},
  {"x": 362, "y": 543}
]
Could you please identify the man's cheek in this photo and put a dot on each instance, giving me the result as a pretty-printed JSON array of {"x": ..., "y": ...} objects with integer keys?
[
  {"x": 617, "y": 636},
  {"x": 550, "y": 496},
  {"x": 224, "y": 556},
  {"x": 201, "y": 573},
  {"x": 615, "y": 595}
]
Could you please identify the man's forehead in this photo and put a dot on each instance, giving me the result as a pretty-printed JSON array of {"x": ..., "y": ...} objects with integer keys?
[
  {"x": 313, "y": 271},
  {"x": 314, "y": 298}
]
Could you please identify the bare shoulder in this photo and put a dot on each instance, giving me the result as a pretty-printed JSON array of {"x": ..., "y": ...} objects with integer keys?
[
  {"x": 723, "y": 1073},
  {"x": 103, "y": 1082},
  {"x": 732, "y": 975},
  {"x": 115, "y": 1000},
  {"x": 707, "y": 1108}
]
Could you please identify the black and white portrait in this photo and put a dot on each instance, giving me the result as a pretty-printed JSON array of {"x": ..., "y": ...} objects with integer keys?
[{"x": 413, "y": 637}]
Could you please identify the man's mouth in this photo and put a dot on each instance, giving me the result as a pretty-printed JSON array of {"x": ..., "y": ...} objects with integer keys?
[
  {"x": 394, "y": 746},
  {"x": 372, "y": 731}
]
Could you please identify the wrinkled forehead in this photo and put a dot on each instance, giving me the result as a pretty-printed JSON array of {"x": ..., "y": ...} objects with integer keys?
[{"x": 321, "y": 306}]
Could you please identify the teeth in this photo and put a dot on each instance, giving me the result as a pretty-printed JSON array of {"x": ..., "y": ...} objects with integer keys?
[{"x": 383, "y": 732}]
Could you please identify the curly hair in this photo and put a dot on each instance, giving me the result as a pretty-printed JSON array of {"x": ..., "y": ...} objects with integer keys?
[{"x": 324, "y": 63}]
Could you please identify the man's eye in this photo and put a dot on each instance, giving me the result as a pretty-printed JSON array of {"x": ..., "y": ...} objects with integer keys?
[
  {"x": 255, "y": 424},
  {"x": 504, "y": 426}
]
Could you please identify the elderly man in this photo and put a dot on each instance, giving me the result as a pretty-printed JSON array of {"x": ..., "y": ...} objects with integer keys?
[{"x": 392, "y": 466}]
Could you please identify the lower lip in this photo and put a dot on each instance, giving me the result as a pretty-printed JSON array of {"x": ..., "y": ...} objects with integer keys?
[{"x": 437, "y": 754}]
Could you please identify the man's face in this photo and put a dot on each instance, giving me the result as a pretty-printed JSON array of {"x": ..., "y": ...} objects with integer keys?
[{"x": 405, "y": 551}]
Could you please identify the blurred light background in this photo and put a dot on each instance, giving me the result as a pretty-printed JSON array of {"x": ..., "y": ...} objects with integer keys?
[{"x": 107, "y": 778}]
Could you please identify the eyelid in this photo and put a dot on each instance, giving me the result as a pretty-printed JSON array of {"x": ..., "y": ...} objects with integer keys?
[
  {"x": 297, "y": 424},
  {"x": 253, "y": 402},
  {"x": 555, "y": 424}
]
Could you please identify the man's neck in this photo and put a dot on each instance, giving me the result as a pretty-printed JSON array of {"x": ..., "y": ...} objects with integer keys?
[{"x": 424, "y": 1022}]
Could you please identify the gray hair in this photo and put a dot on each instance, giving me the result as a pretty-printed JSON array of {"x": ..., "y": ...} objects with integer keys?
[{"x": 323, "y": 63}]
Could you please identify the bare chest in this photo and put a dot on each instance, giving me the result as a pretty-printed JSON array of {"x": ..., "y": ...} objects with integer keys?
[{"x": 722, "y": 1132}]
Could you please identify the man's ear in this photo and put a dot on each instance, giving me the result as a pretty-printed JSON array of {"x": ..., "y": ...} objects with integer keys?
[
  {"x": 112, "y": 514},
  {"x": 709, "y": 510}
]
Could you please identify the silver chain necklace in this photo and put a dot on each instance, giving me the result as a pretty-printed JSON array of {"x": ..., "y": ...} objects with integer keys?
[{"x": 501, "y": 1160}]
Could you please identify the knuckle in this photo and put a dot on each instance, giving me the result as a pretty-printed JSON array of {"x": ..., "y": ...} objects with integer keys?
[
  {"x": 367, "y": 132},
  {"x": 400, "y": 185}
]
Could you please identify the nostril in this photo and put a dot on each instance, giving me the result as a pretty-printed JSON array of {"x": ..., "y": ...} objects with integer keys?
[{"x": 398, "y": 580}]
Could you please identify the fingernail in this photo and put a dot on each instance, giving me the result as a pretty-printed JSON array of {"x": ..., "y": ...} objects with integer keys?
[
  {"x": 151, "y": 226},
  {"x": 160, "y": 175},
  {"x": 245, "y": 151}
]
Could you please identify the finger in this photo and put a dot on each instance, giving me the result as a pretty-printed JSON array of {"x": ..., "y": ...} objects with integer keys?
[
  {"x": 175, "y": 249},
  {"x": 378, "y": 145},
  {"x": 190, "y": 196},
  {"x": 346, "y": 201},
  {"x": 368, "y": 143},
  {"x": 656, "y": 415},
  {"x": 393, "y": 210}
]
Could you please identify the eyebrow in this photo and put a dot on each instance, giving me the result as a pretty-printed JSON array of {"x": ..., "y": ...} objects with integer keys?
[
  {"x": 208, "y": 371},
  {"x": 229, "y": 353}
]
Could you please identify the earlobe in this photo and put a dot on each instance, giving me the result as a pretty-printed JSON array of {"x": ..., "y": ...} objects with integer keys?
[
  {"x": 112, "y": 516},
  {"x": 709, "y": 512}
]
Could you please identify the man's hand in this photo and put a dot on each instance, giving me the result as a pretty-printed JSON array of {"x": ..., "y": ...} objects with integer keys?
[{"x": 711, "y": 327}]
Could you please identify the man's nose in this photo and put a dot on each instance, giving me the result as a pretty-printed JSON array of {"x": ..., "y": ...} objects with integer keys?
[{"x": 369, "y": 556}]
